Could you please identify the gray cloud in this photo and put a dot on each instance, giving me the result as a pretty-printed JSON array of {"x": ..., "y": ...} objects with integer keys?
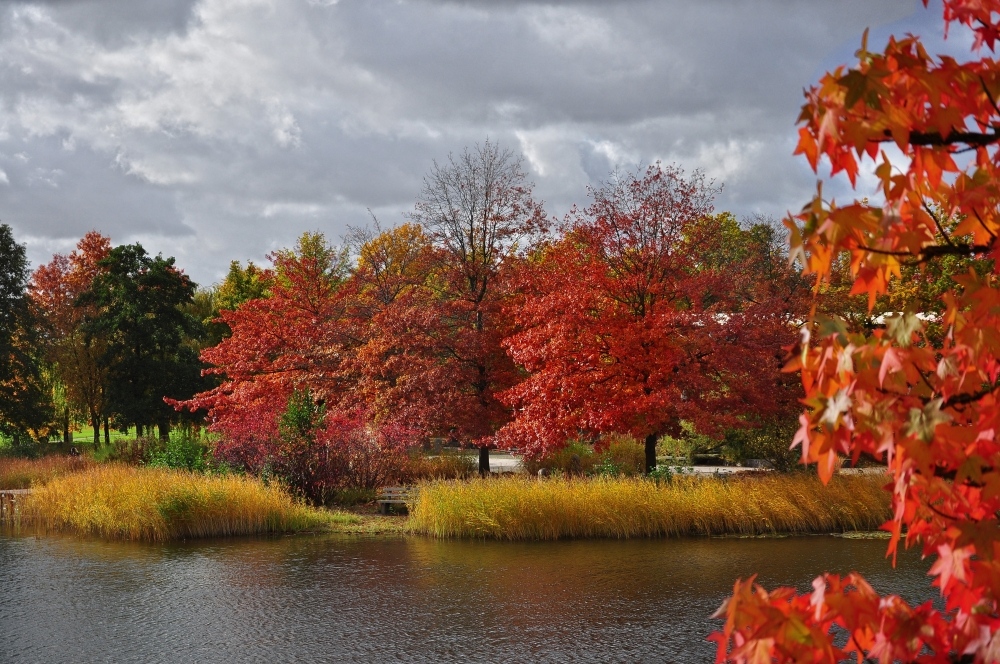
[
  {"x": 114, "y": 23},
  {"x": 54, "y": 188},
  {"x": 221, "y": 129}
]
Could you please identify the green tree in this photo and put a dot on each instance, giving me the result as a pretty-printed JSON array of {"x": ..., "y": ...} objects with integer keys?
[
  {"x": 204, "y": 307},
  {"x": 25, "y": 405},
  {"x": 139, "y": 302},
  {"x": 242, "y": 284}
]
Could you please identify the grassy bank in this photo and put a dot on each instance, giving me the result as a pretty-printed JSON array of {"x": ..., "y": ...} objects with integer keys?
[
  {"x": 519, "y": 508},
  {"x": 121, "y": 502}
]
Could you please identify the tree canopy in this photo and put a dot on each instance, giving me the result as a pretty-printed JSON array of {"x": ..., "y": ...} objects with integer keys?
[
  {"x": 24, "y": 405},
  {"x": 136, "y": 308},
  {"x": 76, "y": 355},
  {"x": 640, "y": 316}
]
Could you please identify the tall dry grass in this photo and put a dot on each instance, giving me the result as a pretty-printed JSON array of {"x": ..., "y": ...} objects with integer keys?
[
  {"x": 419, "y": 467},
  {"x": 519, "y": 508},
  {"x": 115, "y": 501},
  {"x": 25, "y": 473}
]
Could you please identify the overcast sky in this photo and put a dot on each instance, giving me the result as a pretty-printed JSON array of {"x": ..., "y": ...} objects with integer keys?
[{"x": 214, "y": 130}]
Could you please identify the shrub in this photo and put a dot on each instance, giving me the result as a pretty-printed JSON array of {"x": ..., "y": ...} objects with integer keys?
[
  {"x": 575, "y": 458},
  {"x": 351, "y": 496},
  {"x": 623, "y": 455},
  {"x": 688, "y": 442},
  {"x": 182, "y": 451},
  {"x": 316, "y": 453},
  {"x": 22, "y": 448},
  {"x": 771, "y": 443},
  {"x": 663, "y": 473},
  {"x": 375, "y": 455},
  {"x": 134, "y": 451}
]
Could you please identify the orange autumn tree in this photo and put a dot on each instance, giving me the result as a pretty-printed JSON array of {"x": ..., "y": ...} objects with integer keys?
[
  {"x": 927, "y": 404},
  {"x": 75, "y": 354}
]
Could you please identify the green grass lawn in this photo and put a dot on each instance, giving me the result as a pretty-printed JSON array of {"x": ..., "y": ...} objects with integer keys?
[{"x": 83, "y": 439}]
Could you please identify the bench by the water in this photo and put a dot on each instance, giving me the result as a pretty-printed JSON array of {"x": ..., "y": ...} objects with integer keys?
[
  {"x": 394, "y": 495},
  {"x": 9, "y": 499}
]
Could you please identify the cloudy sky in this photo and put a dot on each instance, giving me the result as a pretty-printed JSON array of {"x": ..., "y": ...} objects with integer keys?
[{"x": 214, "y": 130}]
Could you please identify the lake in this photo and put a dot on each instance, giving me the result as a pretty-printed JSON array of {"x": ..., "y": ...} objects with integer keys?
[{"x": 348, "y": 599}]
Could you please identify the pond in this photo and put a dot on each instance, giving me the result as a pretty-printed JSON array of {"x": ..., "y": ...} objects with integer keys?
[{"x": 348, "y": 599}]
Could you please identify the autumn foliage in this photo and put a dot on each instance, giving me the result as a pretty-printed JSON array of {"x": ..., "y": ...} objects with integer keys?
[
  {"x": 55, "y": 289},
  {"x": 287, "y": 341},
  {"x": 645, "y": 313},
  {"x": 474, "y": 323},
  {"x": 927, "y": 403}
]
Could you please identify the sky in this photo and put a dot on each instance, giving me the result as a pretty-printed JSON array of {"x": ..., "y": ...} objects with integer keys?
[{"x": 220, "y": 130}]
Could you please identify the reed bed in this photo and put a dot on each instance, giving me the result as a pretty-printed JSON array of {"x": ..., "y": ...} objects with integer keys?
[
  {"x": 121, "y": 502},
  {"x": 519, "y": 508},
  {"x": 25, "y": 473}
]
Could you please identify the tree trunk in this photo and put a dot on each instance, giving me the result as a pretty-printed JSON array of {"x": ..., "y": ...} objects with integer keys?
[
  {"x": 484, "y": 461},
  {"x": 650, "y": 452},
  {"x": 164, "y": 430},
  {"x": 66, "y": 438},
  {"x": 138, "y": 431},
  {"x": 107, "y": 432},
  {"x": 95, "y": 422}
]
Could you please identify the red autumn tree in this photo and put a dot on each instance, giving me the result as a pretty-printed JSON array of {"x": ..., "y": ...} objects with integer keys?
[
  {"x": 54, "y": 290},
  {"x": 480, "y": 218},
  {"x": 927, "y": 403},
  {"x": 296, "y": 397},
  {"x": 629, "y": 320},
  {"x": 392, "y": 357},
  {"x": 292, "y": 339}
]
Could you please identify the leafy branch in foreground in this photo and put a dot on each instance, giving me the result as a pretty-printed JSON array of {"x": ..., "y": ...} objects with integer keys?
[{"x": 925, "y": 402}]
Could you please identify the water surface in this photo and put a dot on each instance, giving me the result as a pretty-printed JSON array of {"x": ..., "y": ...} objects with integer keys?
[{"x": 347, "y": 599}]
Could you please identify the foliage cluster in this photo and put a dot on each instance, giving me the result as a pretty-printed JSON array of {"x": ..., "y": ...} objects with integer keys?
[
  {"x": 182, "y": 451},
  {"x": 920, "y": 387},
  {"x": 575, "y": 457},
  {"x": 621, "y": 455},
  {"x": 520, "y": 508},
  {"x": 766, "y": 441},
  {"x": 318, "y": 453},
  {"x": 614, "y": 454}
]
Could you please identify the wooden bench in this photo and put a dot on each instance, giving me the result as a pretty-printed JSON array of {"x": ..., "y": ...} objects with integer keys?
[
  {"x": 9, "y": 498},
  {"x": 394, "y": 495}
]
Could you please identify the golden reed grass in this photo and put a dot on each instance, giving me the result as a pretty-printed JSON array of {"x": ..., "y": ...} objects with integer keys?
[
  {"x": 25, "y": 473},
  {"x": 127, "y": 503},
  {"x": 520, "y": 508}
]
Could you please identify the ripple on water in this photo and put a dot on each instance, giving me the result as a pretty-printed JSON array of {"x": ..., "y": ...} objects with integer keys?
[{"x": 337, "y": 599}]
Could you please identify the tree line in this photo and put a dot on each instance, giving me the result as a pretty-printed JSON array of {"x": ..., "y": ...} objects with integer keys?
[
  {"x": 479, "y": 320},
  {"x": 100, "y": 336},
  {"x": 483, "y": 321}
]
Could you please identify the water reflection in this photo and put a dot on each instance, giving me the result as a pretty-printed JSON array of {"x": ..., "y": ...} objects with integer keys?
[{"x": 322, "y": 599}]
